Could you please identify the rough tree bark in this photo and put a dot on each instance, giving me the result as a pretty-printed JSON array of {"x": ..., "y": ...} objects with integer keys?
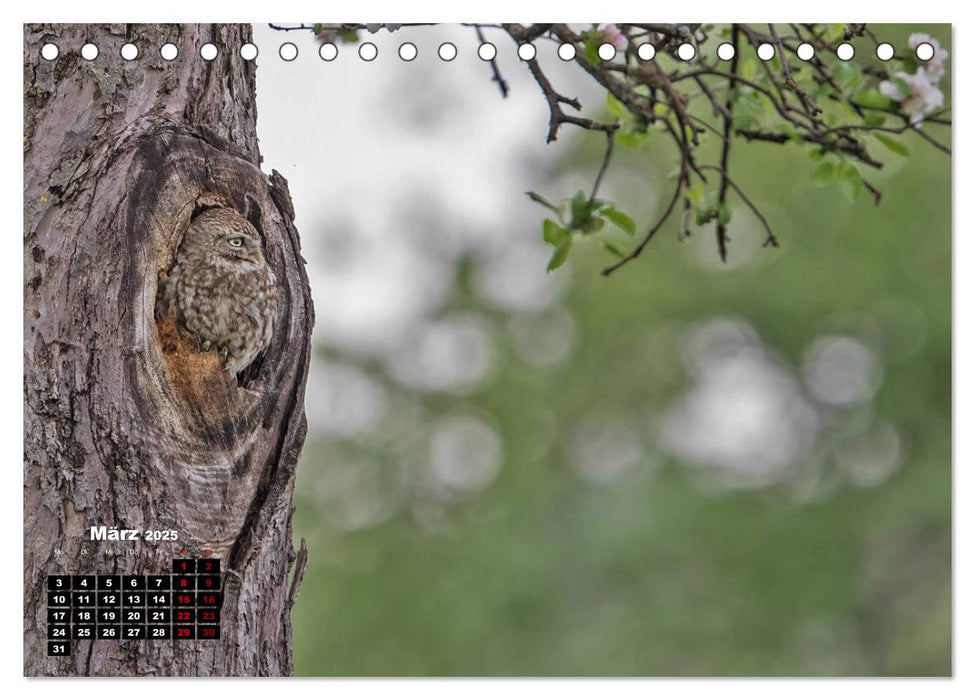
[{"x": 125, "y": 424}]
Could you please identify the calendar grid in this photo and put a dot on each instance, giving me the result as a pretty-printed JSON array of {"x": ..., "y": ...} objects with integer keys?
[{"x": 184, "y": 604}]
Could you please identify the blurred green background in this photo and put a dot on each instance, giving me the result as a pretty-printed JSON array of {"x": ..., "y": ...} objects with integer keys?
[{"x": 683, "y": 469}]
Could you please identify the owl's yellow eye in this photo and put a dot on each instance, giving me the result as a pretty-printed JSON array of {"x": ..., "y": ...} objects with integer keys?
[{"x": 235, "y": 242}]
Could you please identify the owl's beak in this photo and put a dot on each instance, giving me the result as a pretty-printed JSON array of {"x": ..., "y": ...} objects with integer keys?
[{"x": 258, "y": 255}]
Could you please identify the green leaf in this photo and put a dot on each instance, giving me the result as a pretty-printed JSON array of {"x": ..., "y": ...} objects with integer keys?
[
  {"x": 748, "y": 68},
  {"x": 745, "y": 122},
  {"x": 850, "y": 181},
  {"x": 631, "y": 139},
  {"x": 835, "y": 31},
  {"x": 590, "y": 50},
  {"x": 552, "y": 232},
  {"x": 617, "y": 108},
  {"x": 621, "y": 219},
  {"x": 535, "y": 197},
  {"x": 594, "y": 224},
  {"x": 724, "y": 214},
  {"x": 613, "y": 248},
  {"x": 318, "y": 29},
  {"x": 873, "y": 98},
  {"x": 848, "y": 75},
  {"x": 893, "y": 144},
  {"x": 824, "y": 172},
  {"x": 695, "y": 192},
  {"x": 560, "y": 255},
  {"x": 874, "y": 119},
  {"x": 581, "y": 210}
]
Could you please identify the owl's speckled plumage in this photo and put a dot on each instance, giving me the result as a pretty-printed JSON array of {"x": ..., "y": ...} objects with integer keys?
[{"x": 221, "y": 289}]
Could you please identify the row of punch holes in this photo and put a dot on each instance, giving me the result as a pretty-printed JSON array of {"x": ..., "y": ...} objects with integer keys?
[{"x": 486, "y": 52}]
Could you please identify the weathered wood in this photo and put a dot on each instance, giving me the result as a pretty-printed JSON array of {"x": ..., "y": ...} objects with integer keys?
[{"x": 126, "y": 424}]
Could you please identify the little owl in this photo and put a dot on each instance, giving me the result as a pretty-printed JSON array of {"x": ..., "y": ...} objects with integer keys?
[{"x": 221, "y": 289}]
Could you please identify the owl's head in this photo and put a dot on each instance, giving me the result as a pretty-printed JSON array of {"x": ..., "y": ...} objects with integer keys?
[{"x": 226, "y": 237}]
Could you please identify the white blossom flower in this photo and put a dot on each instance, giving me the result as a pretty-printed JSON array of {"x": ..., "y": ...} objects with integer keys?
[
  {"x": 934, "y": 68},
  {"x": 915, "y": 93}
]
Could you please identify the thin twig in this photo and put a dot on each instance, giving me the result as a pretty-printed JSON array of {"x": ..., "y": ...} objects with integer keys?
[
  {"x": 721, "y": 230},
  {"x": 496, "y": 74},
  {"x": 635, "y": 253}
]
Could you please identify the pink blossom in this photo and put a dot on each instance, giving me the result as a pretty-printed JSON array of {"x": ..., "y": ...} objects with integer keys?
[
  {"x": 918, "y": 99},
  {"x": 934, "y": 67},
  {"x": 613, "y": 36}
]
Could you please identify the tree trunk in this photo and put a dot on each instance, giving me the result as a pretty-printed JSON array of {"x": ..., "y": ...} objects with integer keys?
[{"x": 126, "y": 424}]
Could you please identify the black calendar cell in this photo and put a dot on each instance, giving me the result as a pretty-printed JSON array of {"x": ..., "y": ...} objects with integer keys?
[
  {"x": 59, "y": 631},
  {"x": 209, "y": 599},
  {"x": 208, "y": 583},
  {"x": 133, "y": 583},
  {"x": 208, "y": 615},
  {"x": 181, "y": 617},
  {"x": 208, "y": 631},
  {"x": 184, "y": 631},
  {"x": 159, "y": 617},
  {"x": 133, "y": 631},
  {"x": 58, "y": 583},
  {"x": 83, "y": 631},
  {"x": 59, "y": 648},
  {"x": 208, "y": 566},
  {"x": 159, "y": 632},
  {"x": 157, "y": 600},
  {"x": 83, "y": 583},
  {"x": 58, "y": 616},
  {"x": 58, "y": 599},
  {"x": 109, "y": 583},
  {"x": 83, "y": 600},
  {"x": 108, "y": 599},
  {"x": 158, "y": 583},
  {"x": 133, "y": 600},
  {"x": 133, "y": 617},
  {"x": 184, "y": 583},
  {"x": 108, "y": 631},
  {"x": 184, "y": 600},
  {"x": 184, "y": 566},
  {"x": 109, "y": 616},
  {"x": 83, "y": 616}
]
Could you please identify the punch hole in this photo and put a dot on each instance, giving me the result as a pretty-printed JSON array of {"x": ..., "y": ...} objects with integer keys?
[
  {"x": 726, "y": 51},
  {"x": 646, "y": 52},
  {"x": 248, "y": 52},
  {"x": 845, "y": 52},
  {"x": 89, "y": 52},
  {"x": 686, "y": 52},
  {"x": 567, "y": 52},
  {"x": 447, "y": 51},
  {"x": 288, "y": 51},
  {"x": 885, "y": 51},
  {"x": 487, "y": 52},
  {"x": 805, "y": 52},
  {"x": 167, "y": 51},
  {"x": 924, "y": 51},
  {"x": 766, "y": 52},
  {"x": 607, "y": 52},
  {"x": 368, "y": 51},
  {"x": 208, "y": 52},
  {"x": 408, "y": 51},
  {"x": 526, "y": 52},
  {"x": 130, "y": 52},
  {"x": 49, "y": 52},
  {"x": 328, "y": 51}
]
